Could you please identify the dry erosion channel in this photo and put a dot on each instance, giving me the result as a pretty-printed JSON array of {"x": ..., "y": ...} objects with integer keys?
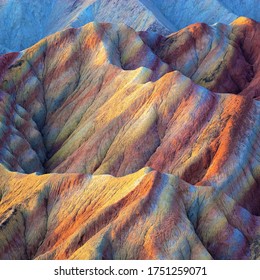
[{"x": 129, "y": 129}]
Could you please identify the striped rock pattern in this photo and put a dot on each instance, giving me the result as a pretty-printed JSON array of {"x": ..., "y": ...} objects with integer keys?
[
  {"x": 173, "y": 120},
  {"x": 145, "y": 215}
]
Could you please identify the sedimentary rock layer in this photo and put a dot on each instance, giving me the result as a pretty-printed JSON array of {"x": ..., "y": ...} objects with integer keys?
[
  {"x": 175, "y": 119},
  {"x": 145, "y": 215}
]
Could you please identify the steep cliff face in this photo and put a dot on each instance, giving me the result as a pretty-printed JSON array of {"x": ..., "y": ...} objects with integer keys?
[
  {"x": 23, "y": 23},
  {"x": 174, "y": 119}
]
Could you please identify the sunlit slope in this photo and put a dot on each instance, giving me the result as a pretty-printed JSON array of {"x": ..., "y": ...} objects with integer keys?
[{"x": 145, "y": 215}]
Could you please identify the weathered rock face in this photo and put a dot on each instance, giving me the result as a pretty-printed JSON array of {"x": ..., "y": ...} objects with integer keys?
[
  {"x": 222, "y": 58},
  {"x": 145, "y": 215},
  {"x": 23, "y": 23},
  {"x": 174, "y": 119}
]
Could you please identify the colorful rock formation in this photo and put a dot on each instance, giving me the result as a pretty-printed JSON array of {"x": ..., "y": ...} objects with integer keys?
[
  {"x": 142, "y": 146},
  {"x": 145, "y": 215}
]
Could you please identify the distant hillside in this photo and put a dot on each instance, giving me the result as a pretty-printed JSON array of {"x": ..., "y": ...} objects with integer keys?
[{"x": 23, "y": 23}]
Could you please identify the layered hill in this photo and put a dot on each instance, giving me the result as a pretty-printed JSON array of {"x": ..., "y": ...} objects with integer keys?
[
  {"x": 174, "y": 119},
  {"x": 23, "y": 23},
  {"x": 145, "y": 215}
]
